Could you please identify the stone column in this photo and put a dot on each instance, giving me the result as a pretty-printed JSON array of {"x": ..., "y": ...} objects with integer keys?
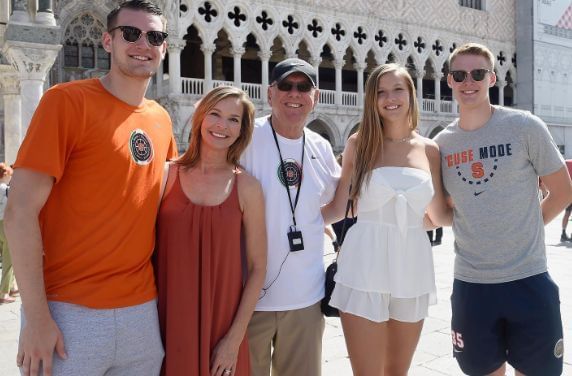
[
  {"x": 338, "y": 64},
  {"x": 419, "y": 77},
  {"x": 208, "y": 50},
  {"x": 32, "y": 61},
  {"x": 13, "y": 134},
  {"x": 237, "y": 55},
  {"x": 19, "y": 12},
  {"x": 264, "y": 58},
  {"x": 175, "y": 46},
  {"x": 437, "y": 76},
  {"x": 159, "y": 81},
  {"x": 501, "y": 84},
  {"x": 4, "y": 12},
  {"x": 514, "y": 94},
  {"x": 315, "y": 61},
  {"x": 45, "y": 13},
  {"x": 360, "y": 67}
]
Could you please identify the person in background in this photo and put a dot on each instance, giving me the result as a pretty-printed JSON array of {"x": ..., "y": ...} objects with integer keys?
[
  {"x": 210, "y": 204},
  {"x": 7, "y": 284},
  {"x": 80, "y": 220},
  {"x": 566, "y": 217}
]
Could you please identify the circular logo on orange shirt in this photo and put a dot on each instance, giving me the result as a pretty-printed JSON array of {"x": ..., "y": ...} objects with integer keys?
[{"x": 141, "y": 147}]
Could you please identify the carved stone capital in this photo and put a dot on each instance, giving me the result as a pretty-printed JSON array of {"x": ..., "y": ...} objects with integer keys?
[
  {"x": 437, "y": 76},
  {"x": 31, "y": 60},
  {"x": 501, "y": 83},
  {"x": 316, "y": 61},
  {"x": 173, "y": 108},
  {"x": 9, "y": 80},
  {"x": 208, "y": 48},
  {"x": 238, "y": 51},
  {"x": 339, "y": 63},
  {"x": 175, "y": 45},
  {"x": 264, "y": 55},
  {"x": 360, "y": 66}
]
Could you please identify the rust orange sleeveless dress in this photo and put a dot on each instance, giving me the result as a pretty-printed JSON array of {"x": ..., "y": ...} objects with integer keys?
[{"x": 198, "y": 266}]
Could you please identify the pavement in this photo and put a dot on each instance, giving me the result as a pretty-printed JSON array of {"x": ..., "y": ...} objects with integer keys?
[{"x": 433, "y": 356}]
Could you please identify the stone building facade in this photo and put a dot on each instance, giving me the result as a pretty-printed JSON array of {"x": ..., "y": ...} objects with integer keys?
[
  {"x": 237, "y": 42},
  {"x": 544, "y": 44}
]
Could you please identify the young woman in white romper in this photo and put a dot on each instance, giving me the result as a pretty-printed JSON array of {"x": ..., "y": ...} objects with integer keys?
[{"x": 385, "y": 280}]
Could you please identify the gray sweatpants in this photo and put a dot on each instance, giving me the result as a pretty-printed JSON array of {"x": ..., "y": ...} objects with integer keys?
[{"x": 110, "y": 342}]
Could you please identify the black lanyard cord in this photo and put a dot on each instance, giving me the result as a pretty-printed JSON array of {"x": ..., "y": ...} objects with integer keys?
[{"x": 283, "y": 170}]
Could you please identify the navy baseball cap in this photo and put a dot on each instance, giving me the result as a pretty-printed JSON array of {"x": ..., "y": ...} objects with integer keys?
[{"x": 294, "y": 65}]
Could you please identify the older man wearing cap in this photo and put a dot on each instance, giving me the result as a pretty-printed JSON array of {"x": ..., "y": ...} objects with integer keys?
[{"x": 299, "y": 175}]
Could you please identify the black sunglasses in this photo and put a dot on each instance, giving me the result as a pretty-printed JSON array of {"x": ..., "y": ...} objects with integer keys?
[
  {"x": 476, "y": 74},
  {"x": 302, "y": 87},
  {"x": 131, "y": 34}
]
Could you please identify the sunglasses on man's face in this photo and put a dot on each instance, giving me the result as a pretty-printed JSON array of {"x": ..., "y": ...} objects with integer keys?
[
  {"x": 302, "y": 87},
  {"x": 476, "y": 74},
  {"x": 131, "y": 34}
]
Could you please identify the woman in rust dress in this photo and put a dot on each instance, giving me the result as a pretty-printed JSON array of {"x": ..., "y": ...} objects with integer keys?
[{"x": 208, "y": 284}]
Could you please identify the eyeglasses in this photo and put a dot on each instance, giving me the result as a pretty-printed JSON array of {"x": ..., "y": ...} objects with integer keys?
[
  {"x": 476, "y": 74},
  {"x": 302, "y": 87},
  {"x": 131, "y": 34}
]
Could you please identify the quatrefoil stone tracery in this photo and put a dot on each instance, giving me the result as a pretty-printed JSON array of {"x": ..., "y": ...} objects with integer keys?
[
  {"x": 360, "y": 35},
  {"x": 208, "y": 11},
  {"x": 315, "y": 28},
  {"x": 237, "y": 16},
  {"x": 380, "y": 38},
  {"x": 264, "y": 20},
  {"x": 290, "y": 24},
  {"x": 338, "y": 32}
]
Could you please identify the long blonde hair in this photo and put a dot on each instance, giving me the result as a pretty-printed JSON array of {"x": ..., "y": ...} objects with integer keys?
[
  {"x": 369, "y": 138},
  {"x": 192, "y": 155}
]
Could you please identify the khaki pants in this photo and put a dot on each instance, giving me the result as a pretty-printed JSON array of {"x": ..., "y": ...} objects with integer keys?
[
  {"x": 290, "y": 341},
  {"x": 7, "y": 280}
]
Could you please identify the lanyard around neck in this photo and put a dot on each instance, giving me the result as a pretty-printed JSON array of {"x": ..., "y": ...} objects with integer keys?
[{"x": 283, "y": 171}]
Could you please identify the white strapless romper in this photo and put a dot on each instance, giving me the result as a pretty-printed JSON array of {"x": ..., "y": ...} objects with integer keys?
[{"x": 387, "y": 252}]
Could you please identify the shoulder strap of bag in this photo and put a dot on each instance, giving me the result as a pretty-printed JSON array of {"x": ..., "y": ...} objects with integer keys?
[{"x": 349, "y": 206}]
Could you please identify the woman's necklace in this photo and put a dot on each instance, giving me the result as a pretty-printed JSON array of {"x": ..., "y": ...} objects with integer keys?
[{"x": 399, "y": 140}]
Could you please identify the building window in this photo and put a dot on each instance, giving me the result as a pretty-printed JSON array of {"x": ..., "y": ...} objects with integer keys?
[
  {"x": 87, "y": 56},
  {"x": 102, "y": 58},
  {"x": 82, "y": 46},
  {"x": 473, "y": 4},
  {"x": 71, "y": 54}
]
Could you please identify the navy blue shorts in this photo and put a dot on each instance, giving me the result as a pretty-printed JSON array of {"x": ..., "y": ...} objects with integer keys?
[{"x": 516, "y": 322}]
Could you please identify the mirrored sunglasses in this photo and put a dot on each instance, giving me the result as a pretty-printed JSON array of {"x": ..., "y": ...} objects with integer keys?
[
  {"x": 476, "y": 74},
  {"x": 302, "y": 87},
  {"x": 131, "y": 34}
]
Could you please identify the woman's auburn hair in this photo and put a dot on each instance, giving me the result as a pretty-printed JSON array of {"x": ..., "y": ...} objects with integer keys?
[
  {"x": 369, "y": 137},
  {"x": 191, "y": 157}
]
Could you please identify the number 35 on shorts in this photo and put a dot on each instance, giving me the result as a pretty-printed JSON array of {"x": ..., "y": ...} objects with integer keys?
[{"x": 457, "y": 340}]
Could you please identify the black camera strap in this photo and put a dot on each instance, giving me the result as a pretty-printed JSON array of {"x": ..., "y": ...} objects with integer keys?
[{"x": 284, "y": 175}]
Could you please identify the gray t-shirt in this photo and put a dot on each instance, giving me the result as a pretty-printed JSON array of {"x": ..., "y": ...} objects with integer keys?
[{"x": 492, "y": 176}]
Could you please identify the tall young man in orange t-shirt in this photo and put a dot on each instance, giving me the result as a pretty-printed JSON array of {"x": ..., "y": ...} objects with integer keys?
[{"x": 81, "y": 215}]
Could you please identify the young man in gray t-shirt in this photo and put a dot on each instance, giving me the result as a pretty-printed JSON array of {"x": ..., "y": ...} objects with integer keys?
[{"x": 505, "y": 305}]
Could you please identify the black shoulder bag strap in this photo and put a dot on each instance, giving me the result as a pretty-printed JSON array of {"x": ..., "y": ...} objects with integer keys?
[{"x": 349, "y": 206}]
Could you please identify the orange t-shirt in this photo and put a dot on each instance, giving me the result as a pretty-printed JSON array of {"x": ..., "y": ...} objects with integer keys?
[
  {"x": 569, "y": 166},
  {"x": 98, "y": 224}
]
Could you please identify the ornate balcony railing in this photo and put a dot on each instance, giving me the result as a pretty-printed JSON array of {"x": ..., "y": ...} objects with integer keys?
[{"x": 196, "y": 87}]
